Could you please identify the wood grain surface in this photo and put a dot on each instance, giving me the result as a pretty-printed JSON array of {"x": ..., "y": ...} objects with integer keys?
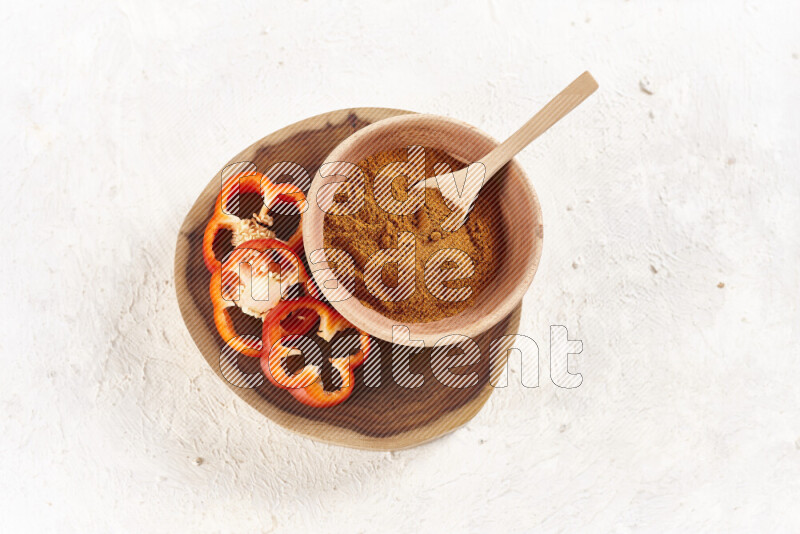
[{"x": 383, "y": 417}]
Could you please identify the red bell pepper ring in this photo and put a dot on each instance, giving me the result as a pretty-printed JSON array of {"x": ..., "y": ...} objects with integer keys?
[
  {"x": 273, "y": 195},
  {"x": 226, "y": 287},
  {"x": 306, "y": 385}
]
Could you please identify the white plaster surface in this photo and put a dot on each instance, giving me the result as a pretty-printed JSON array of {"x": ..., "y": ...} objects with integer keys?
[{"x": 114, "y": 117}]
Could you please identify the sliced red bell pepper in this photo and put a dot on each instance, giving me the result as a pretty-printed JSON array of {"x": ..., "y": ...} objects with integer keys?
[
  {"x": 306, "y": 385},
  {"x": 273, "y": 194},
  {"x": 225, "y": 287}
]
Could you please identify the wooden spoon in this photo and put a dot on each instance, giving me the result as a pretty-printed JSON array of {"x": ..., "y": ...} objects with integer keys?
[
  {"x": 465, "y": 143},
  {"x": 482, "y": 171}
]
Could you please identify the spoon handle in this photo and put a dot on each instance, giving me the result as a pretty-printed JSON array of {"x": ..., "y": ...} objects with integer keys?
[{"x": 564, "y": 102}]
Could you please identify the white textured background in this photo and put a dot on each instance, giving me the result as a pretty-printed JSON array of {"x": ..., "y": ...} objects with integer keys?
[{"x": 116, "y": 115}]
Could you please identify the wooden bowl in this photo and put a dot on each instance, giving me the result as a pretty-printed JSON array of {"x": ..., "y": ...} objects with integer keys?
[
  {"x": 521, "y": 223},
  {"x": 386, "y": 417}
]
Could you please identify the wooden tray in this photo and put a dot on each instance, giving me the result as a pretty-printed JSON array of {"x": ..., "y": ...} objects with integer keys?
[{"x": 387, "y": 417}]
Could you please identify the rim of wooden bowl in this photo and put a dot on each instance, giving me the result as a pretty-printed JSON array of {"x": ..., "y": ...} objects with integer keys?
[{"x": 490, "y": 308}]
